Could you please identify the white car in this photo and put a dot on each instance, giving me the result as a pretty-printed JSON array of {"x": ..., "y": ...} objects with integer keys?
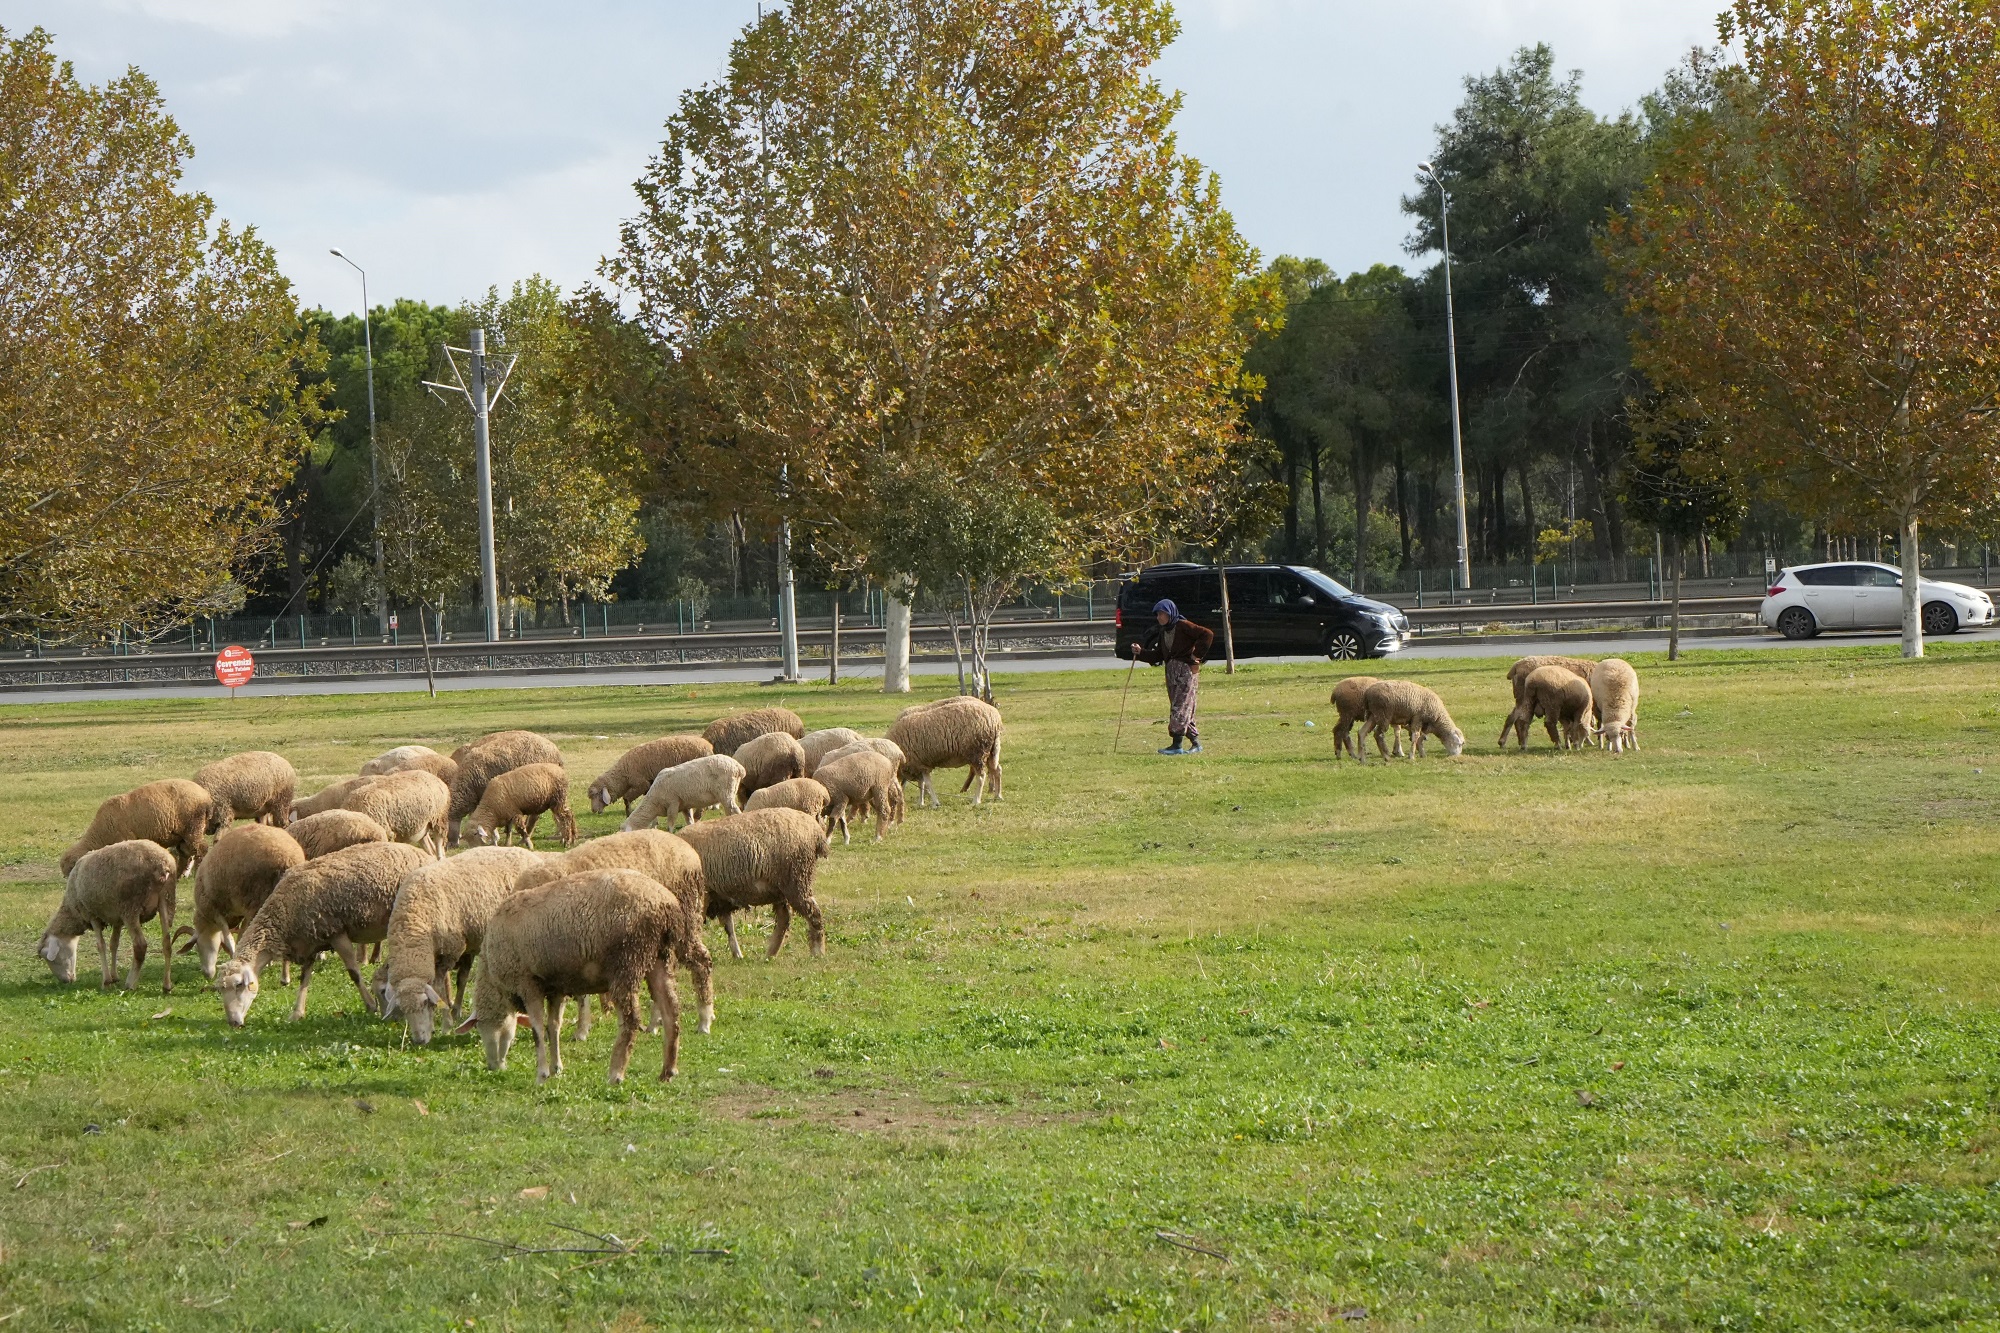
[{"x": 1852, "y": 595}]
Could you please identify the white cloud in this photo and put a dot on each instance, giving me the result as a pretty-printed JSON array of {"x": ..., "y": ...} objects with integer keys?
[{"x": 237, "y": 18}]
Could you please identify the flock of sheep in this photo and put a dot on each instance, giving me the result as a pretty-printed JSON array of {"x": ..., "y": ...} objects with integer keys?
[
  {"x": 1579, "y": 701},
  {"x": 363, "y": 862}
]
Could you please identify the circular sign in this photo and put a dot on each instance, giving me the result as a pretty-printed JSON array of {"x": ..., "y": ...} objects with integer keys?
[{"x": 234, "y": 666}]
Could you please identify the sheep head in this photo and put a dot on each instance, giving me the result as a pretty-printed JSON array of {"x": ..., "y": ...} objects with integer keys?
[
  {"x": 600, "y": 798},
  {"x": 419, "y": 1002},
  {"x": 59, "y": 952},
  {"x": 237, "y": 984},
  {"x": 496, "y": 1034}
]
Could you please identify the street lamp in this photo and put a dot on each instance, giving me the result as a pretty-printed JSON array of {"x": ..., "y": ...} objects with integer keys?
[
  {"x": 374, "y": 466},
  {"x": 1429, "y": 173}
]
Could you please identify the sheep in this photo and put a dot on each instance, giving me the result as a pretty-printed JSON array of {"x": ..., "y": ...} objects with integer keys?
[
  {"x": 405, "y": 757},
  {"x": 886, "y": 748},
  {"x": 333, "y": 796},
  {"x": 331, "y": 830},
  {"x": 1517, "y": 675},
  {"x": 792, "y": 794},
  {"x": 664, "y": 859},
  {"x": 768, "y": 760},
  {"x": 411, "y": 804},
  {"x": 945, "y": 735},
  {"x": 122, "y": 886},
  {"x": 1389, "y": 704},
  {"x": 728, "y": 734},
  {"x": 176, "y": 813},
  {"x": 597, "y": 933},
  {"x": 691, "y": 787},
  {"x": 762, "y": 858},
  {"x": 860, "y": 782},
  {"x": 436, "y": 927},
  {"x": 1614, "y": 692},
  {"x": 819, "y": 744},
  {"x": 1558, "y": 696},
  {"x": 1346, "y": 701},
  {"x": 257, "y": 784},
  {"x": 488, "y": 757},
  {"x": 335, "y": 902},
  {"x": 515, "y": 801},
  {"x": 635, "y": 770},
  {"x": 235, "y": 878}
]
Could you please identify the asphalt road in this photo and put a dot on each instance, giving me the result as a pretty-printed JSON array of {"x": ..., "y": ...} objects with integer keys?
[{"x": 1643, "y": 641}]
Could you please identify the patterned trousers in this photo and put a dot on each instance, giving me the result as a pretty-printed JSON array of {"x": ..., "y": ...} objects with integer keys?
[{"x": 1183, "y": 692}]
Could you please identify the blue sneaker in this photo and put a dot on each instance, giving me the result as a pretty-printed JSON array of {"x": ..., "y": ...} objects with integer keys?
[
  {"x": 1195, "y": 748},
  {"x": 1173, "y": 749}
]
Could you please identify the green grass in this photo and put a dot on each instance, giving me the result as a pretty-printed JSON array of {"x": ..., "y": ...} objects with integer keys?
[{"x": 1700, "y": 1038}]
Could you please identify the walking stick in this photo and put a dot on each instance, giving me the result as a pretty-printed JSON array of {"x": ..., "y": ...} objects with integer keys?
[{"x": 1121, "y": 704}]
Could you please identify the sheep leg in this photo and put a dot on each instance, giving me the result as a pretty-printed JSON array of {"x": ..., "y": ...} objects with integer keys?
[
  {"x": 350, "y": 958},
  {"x": 583, "y": 1019},
  {"x": 138, "y": 953},
  {"x": 207, "y": 942},
  {"x": 375, "y": 954},
  {"x": 729, "y": 929},
  {"x": 930, "y": 793},
  {"x": 845, "y": 838},
  {"x": 555, "y": 1004},
  {"x": 457, "y": 994},
  {"x": 880, "y": 800},
  {"x": 166, "y": 944},
  {"x": 808, "y": 907},
  {"x": 625, "y": 1002},
  {"x": 287, "y": 972},
  {"x": 305, "y": 980},
  {"x": 531, "y": 1000},
  {"x": 109, "y": 959},
  {"x": 781, "y": 921},
  {"x": 527, "y": 825},
  {"x": 703, "y": 966},
  {"x": 667, "y": 1006}
]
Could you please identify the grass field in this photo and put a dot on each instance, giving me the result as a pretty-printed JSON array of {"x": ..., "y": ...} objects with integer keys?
[{"x": 1700, "y": 1038}]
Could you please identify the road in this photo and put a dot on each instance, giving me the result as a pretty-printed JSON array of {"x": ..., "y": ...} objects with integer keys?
[{"x": 1639, "y": 641}]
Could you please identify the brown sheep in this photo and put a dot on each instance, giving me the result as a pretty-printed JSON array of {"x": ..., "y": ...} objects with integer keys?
[
  {"x": 762, "y": 858},
  {"x": 488, "y": 757},
  {"x": 176, "y": 813},
  {"x": 1347, "y": 706},
  {"x": 1389, "y": 704},
  {"x": 410, "y": 803},
  {"x": 948, "y": 734},
  {"x": 257, "y": 784},
  {"x": 235, "y": 878},
  {"x": 768, "y": 760},
  {"x": 515, "y": 801},
  {"x": 121, "y": 886},
  {"x": 1558, "y": 696},
  {"x": 405, "y": 757},
  {"x": 860, "y": 782},
  {"x": 628, "y": 779},
  {"x": 728, "y": 734},
  {"x": 804, "y": 794},
  {"x": 331, "y": 830},
  {"x": 333, "y": 796}
]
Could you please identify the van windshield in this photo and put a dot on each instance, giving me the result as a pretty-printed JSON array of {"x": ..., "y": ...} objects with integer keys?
[{"x": 1321, "y": 581}]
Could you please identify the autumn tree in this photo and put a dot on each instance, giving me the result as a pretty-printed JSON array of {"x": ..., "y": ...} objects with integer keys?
[
  {"x": 1680, "y": 484},
  {"x": 905, "y": 240},
  {"x": 1817, "y": 262},
  {"x": 153, "y": 364}
]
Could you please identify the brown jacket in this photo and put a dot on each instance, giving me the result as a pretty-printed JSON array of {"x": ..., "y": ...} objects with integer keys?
[{"x": 1182, "y": 641}]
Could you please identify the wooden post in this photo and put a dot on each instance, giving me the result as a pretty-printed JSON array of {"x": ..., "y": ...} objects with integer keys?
[
  {"x": 833, "y": 653},
  {"x": 1228, "y": 633}
]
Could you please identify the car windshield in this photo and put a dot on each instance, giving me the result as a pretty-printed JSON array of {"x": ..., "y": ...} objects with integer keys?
[{"x": 1321, "y": 581}]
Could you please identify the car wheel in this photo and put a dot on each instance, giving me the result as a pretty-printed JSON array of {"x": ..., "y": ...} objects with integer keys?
[
  {"x": 1939, "y": 618},
  {"x": 1795, "y": 622},
  {"x": 1343, "y": 645}
]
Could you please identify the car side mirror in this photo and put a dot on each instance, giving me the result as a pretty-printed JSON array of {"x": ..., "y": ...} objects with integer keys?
[{"x": 1307, "y": 599}]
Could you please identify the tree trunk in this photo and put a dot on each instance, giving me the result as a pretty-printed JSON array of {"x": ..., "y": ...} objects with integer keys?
[
  {"x": 957, "y": 652},
  {"x": 1500, "y": 513},
  {"x": 1228, "y": 629},
  {"x": 897, "y": 594},
  {"x": 1674, "y": 623},
  {"x": 1291, "y": 504},
  {"x": 833, "y": 649},
  {"x": 1527, "y": 514},
  {"x": 1319, "y": 511},
  {"x": 1362, "y": 496},
  {"x": 423, "y": 613},
  {"x": 1913, "y": 598},
  {"x": 1402, "y": 507}
]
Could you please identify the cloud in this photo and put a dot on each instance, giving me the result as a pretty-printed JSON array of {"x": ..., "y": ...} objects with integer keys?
[{"x": 262, "y": 19}]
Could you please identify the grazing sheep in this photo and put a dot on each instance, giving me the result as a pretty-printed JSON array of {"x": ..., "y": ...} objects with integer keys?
[
  {"x": 487, "y": 758},
  {"x": 947, "y": 734},
  {"x": 1558, "y": 696},
  {"x": 635, "y": 770},
  {"x": 664, "y": 859},
  {"x": 1347, "y": 706},
  {"x": 333, "y": 796},
  {"x": 1389, "y": 704},
  {"x": 122, "y": 886},
  {"x": 436, "y": 928},
  {"x": 819, "y": 744},
  {"x": 597, "y": 933},
  {"x": 336, "y": 902},
  {"x": 1517, "y": 675},
  {"x": 768, "y": 760},
  {"x": 331, "y": 830},
  {"x": 689, "y": 788},
  {"x": 405, "y": 757},
  {"x": 792, "y": 794},
  {"x": 515, "y": 801},
  {"x": 174, "y": 812},
  {"x": 1614, "y": 691},
  {"x": 728, "y": 734},
  {"x": 257, "y": 784},
  {"x": 235, "y": 878},
  {"x": 762, "y": 858},
  {"x": 411, "y": 804},
  {"x": 860, "y": 782},
  {"x": 886, "y": 748}
]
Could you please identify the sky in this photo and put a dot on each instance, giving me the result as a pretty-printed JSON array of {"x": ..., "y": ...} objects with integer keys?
[{"x": 451, "y": 146}]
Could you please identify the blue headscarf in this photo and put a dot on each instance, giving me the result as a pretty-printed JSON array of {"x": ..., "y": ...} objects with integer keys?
[{"x": 1173, "y": 612}]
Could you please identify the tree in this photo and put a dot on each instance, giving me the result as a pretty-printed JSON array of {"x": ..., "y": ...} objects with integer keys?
[
  {"x": 1816, "y": 263},
  {"x": 1679, "y": 486},
  {"x": 153, "y": 366},
  {"x": 904, "y": 240}
]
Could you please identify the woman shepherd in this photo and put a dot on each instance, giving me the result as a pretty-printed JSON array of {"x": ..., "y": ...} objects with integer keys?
[{"x": 1181, "y": 645}]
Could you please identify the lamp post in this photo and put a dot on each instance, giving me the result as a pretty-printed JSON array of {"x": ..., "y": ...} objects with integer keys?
[
  {"x": 374, "y": 466},
  {"x": 1429, "y": 173}
]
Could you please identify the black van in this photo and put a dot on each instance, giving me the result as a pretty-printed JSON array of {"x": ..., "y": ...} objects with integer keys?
[{"x": 1274, "y": 610}]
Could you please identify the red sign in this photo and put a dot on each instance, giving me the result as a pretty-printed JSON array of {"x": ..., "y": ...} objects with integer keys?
[{"x": 234, "y": 666}]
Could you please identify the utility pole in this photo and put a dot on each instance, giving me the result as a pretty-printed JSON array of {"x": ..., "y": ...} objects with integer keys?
[
  {"x": 482, "y": 402},
  {"x": 1429, "y": 172},
  {"x": 374, "y": 454}
]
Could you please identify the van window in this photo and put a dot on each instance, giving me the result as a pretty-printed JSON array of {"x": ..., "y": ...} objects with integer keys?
[{"x": 1830, "y": 576}]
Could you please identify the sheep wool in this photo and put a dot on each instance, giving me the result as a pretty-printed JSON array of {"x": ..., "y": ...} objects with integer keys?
[
  {"x": 515, "y": 801},
  {"x": 411, "y": 804},
  {"x": 859, "y": 783},
  {"x": 689, "y": 789},
  {"x": 635, "y": 770},
  {"x": 1558, "y": 696},
  {"x": 487, "y": 758},
  {"x": 405, "y": 757},
  {"x": 235, "y": 878},
  {"x": 728, "y": 734},
  {"x": 257, "y": 784},
  {"x": 762, "y": 858},
  {"x": 818, "y": 744},
  {"x": 331, "y": 830},
  {"x": 1347, "y": 706},
  {"x": 1389, "y": 704},
  {"x": 122, "y": 886},
  {"x": 176, "y": 813},
  {"x": 767, "y": 760},
  {"x": 437, "y": 926},
  {"x": 952, "y": 733},
  {"x": 333, "y": 796},
  {"x": 804, "y": 794},
  {"x": 1614, "y": 694}
]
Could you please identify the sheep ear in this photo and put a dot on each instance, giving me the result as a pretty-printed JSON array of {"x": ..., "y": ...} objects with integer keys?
[
  {"x": 471, "y": 1021},
  {"x": 430, "y": 993}
]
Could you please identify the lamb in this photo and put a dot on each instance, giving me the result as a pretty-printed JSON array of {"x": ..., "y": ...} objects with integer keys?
[
  {"x": 819, "y": 744},
  {"x": 945, "y": 735},
  {"x": 597, "y": 933},
  {"x": 1558, "y": 696},
  {"x": 1614, "y": 692},
  {"x": 860, "y": 782},
  {"x": 410, "y": 804},
  {"x": 728, "y": 734},
  {"x": 792, "y": 794},
  {"x": 635, "y": 770},
  {"x": 257, "y": 784},
  {"x": 665, "y": 859},
  {"x": 331, "y": 830},
  {"x": 235, "y": 878},
  {"x": 768, "y": 760},
  {"x": 488, "y": 757},
  {"x": 436, "y": 928},
  {"x": 333, "y": 796},
  {"x": 122, "y": 886},
  {"x": 515, "y": 801},
  {"x": 1346, "y": 701},
  {"x": 174, "y": 812},
  {"x": 760, "y": 858},
  {"x": 336, "y": 902},
  {"x": 691, "y": 787},
  {"x": 405, "y": 757},
  {"x": 1389, "y": 704}
]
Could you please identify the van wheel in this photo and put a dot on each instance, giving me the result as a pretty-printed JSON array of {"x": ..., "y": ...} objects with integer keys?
[
  {"x": 1795, "y": 622},
  {"x": 1343, "y": 645},
  {"x": 1939, "y": 618}
]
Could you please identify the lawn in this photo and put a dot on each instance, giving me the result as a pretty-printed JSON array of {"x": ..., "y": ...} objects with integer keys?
[{"x": 1702, "y": 1037}]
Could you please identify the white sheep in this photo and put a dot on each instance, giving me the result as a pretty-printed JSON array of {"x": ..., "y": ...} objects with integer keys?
[
  {"x": 1389, "y": 704},
  {"x": 405, "y": 757},
  {"x": 331, "y": 830},
  {"x": 728, "y": 734},
  {"x": 762, "y": 858},
  {"x": 949, "y": 734},
  {"x": 767, "y": 760},
  {"x": 860, "y": 782},
  {"x": 436, "y": 928},
  {"x": 689, "y": 788},
  {"x": 487, "y": 758},
  {"x": 515, "y": 801},
  {"x": 888, "y": 749},
  {"x": 256, "y": 784},
  {"x": 819, "y": 744},
  {"x": 1614, "y": 694},
  {"x": 628, "y": 778},
  {"x": 235, "y": 878},
  {"x": 411, "y": 804},
  {"x": 176, "y": 813},
  {"x": 122, "y": 886},
  {"x": 792, "y": 794},
  {"x": 333, "y": 796}
]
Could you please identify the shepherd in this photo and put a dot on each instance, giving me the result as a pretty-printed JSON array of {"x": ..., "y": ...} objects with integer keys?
[{"x": 1181, "y": 645}]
